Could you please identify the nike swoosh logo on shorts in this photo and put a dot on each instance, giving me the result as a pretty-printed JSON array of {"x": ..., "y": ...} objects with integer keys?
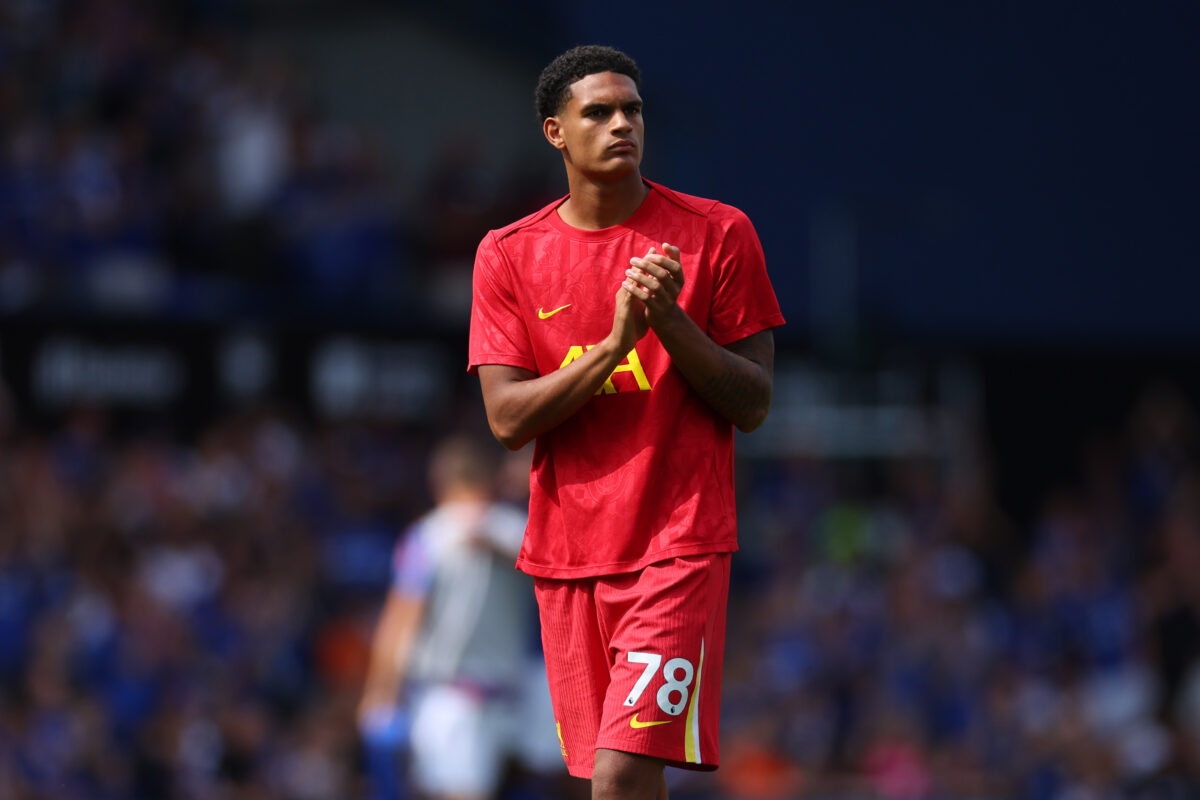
[
  {"x": 549, "y": 314},
  {"x": 635, "y": 723}
]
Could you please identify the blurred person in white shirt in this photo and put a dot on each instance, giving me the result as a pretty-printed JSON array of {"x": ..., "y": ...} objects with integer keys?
[{"x": 454, "y": 670}]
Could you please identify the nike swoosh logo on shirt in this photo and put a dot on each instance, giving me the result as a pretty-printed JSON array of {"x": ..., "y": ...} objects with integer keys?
[
  {"x": 549, "y": 314},
  {"x": 635, "y": 723}
]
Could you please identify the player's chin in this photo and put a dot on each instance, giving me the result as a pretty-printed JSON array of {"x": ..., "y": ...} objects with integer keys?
[
  {"x": 619, "y": 166},
  {"x": 631, "y": 155}
]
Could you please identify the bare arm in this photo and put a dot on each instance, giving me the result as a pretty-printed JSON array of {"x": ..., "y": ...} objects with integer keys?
[
  {"x": 521, "y": 405},
  {"x": 735, "y": 380},
  {"x": 391, "y": 647}
]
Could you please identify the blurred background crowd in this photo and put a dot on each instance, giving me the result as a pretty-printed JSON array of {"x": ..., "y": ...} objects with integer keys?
[
  {"x": 977, "y": 593},
  {"x": 191, "y": 619},
  {"x": 158, "y": 160}
]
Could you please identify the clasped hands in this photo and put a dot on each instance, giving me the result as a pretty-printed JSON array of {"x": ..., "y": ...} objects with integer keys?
[
  {"x": 647, "y": 296},
  {"x": 656, "y": 279}
]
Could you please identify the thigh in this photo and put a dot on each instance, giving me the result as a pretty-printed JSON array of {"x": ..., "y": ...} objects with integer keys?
[
  {"x": 628, "y": 777},
  {"x": 666, "y": 638}
]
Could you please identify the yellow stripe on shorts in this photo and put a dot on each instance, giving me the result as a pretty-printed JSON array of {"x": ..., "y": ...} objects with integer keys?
[
  {"x": 691, "y": 736},
  {"x": 561, "y": 744}
]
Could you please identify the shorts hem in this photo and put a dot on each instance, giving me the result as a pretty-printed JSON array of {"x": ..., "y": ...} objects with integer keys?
[
  {"x": 585, "y": 772},
  {"x": 641, "y": 749}
]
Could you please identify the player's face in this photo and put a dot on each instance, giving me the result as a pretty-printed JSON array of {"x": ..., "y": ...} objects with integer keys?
[{"x": 599, "y": 130}]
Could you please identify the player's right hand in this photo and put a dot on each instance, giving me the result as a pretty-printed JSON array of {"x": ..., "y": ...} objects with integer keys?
[{"x": 629, "y": 319}]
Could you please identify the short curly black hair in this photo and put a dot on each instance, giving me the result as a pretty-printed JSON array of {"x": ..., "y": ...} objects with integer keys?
[{"x": 554, "y": 84}]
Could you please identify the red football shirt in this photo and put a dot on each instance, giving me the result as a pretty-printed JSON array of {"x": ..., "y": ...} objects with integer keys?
[{"x": 644, "y": 471}]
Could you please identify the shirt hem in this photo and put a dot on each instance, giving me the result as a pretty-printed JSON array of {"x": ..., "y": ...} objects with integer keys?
[{"x": 620, "y": 567}]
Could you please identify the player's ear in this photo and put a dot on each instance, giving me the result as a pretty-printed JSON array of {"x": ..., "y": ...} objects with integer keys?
[{"x": 552, "y": 128}]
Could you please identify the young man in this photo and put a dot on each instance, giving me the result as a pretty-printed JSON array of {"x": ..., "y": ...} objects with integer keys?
[{"x": 626, "y": 328}]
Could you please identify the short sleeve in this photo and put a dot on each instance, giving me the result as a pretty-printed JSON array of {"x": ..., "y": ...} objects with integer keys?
[
  {"x": 498, "y": 333},
  {"x": 744, "y": 301},
  {"x": 412, "y": 564}
]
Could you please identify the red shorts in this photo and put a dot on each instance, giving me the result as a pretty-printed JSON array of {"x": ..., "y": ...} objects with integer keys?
[{"x": 634, "y": 661}]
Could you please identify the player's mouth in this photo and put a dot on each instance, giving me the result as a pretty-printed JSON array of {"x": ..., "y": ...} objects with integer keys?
[{"x": 623, "y": 146}]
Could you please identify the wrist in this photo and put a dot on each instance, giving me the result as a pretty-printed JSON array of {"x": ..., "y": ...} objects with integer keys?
[
  {"x": 668, "y": 324},
  {"x": 612, "y": 349}
]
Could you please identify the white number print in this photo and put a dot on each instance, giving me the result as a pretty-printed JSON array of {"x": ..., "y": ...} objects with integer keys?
[
  {"x": 675, "y": 684},
  {"x": 651, "y": 660}
]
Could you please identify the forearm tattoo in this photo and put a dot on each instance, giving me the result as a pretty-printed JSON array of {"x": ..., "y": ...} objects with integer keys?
[{"x": 741, "y": 390}]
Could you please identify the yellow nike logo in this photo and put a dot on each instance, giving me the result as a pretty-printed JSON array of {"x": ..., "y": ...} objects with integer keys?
[
  {"x": 635, "y": 723},
  {"x": 549, "y": 314}
]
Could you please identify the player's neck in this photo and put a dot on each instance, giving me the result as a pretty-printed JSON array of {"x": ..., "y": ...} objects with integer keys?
[{"x": 594, "y": 204}]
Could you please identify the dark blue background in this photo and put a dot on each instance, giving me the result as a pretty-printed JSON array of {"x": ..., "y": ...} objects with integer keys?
[{"x": 1016, "y": 172}]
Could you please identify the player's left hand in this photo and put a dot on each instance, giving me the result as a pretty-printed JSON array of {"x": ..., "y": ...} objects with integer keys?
[{"x": 656, "y": 279}]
